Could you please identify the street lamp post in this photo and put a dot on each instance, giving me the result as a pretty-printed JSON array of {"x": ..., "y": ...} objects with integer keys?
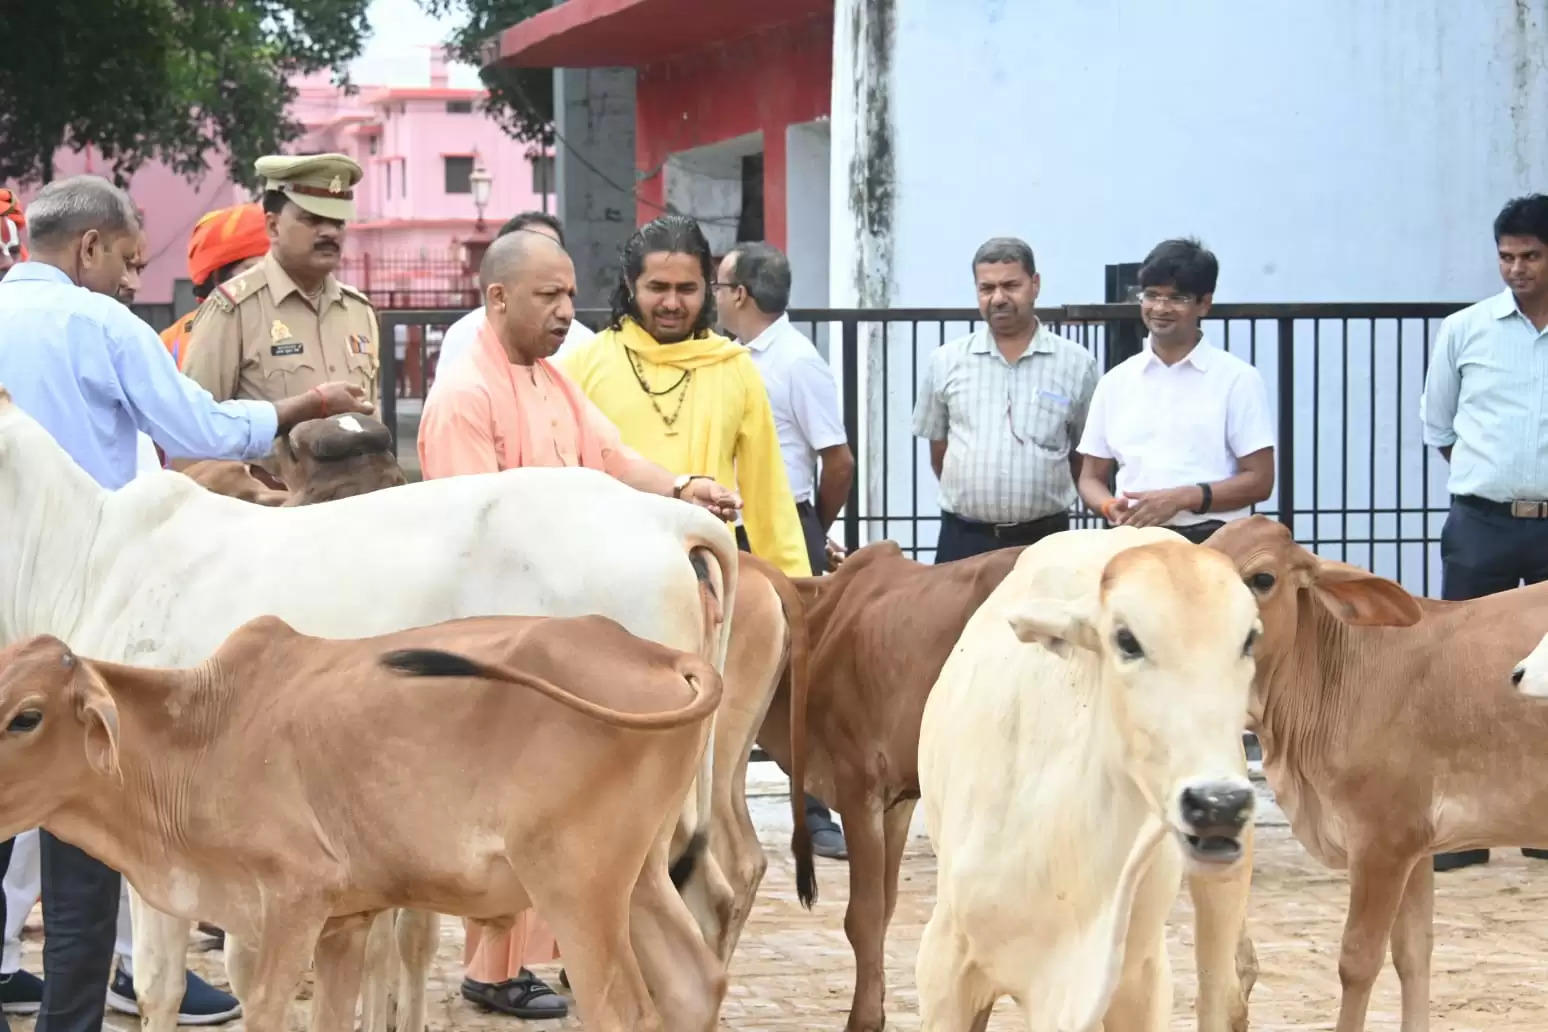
[{"x": 481, "y": 180}]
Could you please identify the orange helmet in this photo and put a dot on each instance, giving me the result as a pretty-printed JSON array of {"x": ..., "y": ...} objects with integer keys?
[{"x": 224, "y": 236}]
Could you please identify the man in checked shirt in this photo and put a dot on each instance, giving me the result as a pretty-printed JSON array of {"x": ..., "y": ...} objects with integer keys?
[{"x": 1002, "y": 409}]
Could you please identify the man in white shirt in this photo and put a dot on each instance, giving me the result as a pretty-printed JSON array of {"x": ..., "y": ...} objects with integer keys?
[
  {"x": 1186, "y": 423},
  {"x": 752, "y": 291},
  {"x": 751, "y": 294},
  {"x": 461, "y": 334},
  {"x": 1482, "y": 408}
]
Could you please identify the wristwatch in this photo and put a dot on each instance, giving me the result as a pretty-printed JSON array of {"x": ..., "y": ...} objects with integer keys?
[{"x": 681, "y": 483}]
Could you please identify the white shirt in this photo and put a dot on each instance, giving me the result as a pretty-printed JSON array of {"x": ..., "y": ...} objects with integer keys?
[
  {"x": 1173, "y": 426},
  {"x": 804, "y": 396},
  {"x": 461, "y": 334},
  {"x": 1486, "y": 395}
]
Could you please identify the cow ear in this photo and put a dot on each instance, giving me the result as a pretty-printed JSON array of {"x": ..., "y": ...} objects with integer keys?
[
  {"x": 1363, "y": 599},
  {"x": 1055, "y": 624},
  {"x": 96, "y": 710}
]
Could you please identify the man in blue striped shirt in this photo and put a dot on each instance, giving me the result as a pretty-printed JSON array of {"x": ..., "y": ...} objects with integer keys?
[
  {"x": 1485, "y": 406},
  {"x": 92, "y": 373}
]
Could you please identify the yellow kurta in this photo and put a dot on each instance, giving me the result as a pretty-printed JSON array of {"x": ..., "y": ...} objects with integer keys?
[{"x": 720, "y": 423}]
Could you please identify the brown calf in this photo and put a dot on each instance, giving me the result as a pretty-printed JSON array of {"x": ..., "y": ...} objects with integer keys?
[
  {"x": 543, "y": 764},
  {"x": 234, "y": 480},
  {"x": 1391, "y": 731},
  {"x": 321, "y": 460}
]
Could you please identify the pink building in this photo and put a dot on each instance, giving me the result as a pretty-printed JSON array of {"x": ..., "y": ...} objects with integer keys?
[{"x": 424, "y": 147}]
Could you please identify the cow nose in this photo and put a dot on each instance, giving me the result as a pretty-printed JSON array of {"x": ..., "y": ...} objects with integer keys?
[{"x": 1216, "y": 807}]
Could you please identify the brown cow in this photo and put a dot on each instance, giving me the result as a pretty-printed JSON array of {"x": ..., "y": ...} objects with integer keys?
[
  {"x": 338, "y": 457},
  {"x": 319, "y": 460},
  {"x": 234, "y": 480},
  {"x": 1391, "y": 731},
  {"x": 879, "y": 630},
  {"x": 293, "y": 830}
]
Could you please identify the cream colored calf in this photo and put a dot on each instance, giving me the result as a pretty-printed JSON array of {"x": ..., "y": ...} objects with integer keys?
[{"x": 1081, "y": 747}]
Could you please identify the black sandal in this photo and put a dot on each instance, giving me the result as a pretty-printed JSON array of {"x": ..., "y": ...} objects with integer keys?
[{"x": 525, "y": 996}]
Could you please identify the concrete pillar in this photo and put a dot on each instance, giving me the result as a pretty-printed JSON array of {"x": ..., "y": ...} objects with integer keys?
[
  {"x": 594, "y": 173},
  {"x": 863, "y": 200}
]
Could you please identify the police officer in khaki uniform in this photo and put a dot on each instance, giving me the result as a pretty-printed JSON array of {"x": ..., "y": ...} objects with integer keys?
[{"x": 287, "y": 325}]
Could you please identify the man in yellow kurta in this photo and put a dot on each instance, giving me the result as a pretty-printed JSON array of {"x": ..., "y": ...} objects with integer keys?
[{"x": 684, "y": 396}]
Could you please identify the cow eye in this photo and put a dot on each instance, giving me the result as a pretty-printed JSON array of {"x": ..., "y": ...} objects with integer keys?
[
  {"x": 1252, "y": 639},
  {"x": 1128, "y": 644},
  {"x": 26, "y": 720},
  {"x": 1262, "y": 583}
]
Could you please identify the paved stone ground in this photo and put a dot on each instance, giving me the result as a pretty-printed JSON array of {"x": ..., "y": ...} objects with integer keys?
[{"x": 794, "y": 971}]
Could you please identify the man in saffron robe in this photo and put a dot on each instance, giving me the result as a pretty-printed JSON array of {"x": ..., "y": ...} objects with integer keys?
[{"x": 504, "y": 405}]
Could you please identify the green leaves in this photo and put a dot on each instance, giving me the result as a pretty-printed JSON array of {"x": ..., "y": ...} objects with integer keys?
[{"x": 182, "y": 81}]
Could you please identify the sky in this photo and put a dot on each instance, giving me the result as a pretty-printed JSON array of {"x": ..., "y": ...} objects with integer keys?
[{"x": 398, "y": 51}]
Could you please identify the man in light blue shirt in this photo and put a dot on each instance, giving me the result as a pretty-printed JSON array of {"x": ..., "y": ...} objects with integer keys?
[
  {"x": 92, "y": 373},
  {"x": 1485, "y": 406}
]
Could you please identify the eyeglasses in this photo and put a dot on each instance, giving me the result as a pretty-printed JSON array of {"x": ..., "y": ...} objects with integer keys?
[
  {"x": 715, "y": 285},
  {"x": 1155, "y": 300}
]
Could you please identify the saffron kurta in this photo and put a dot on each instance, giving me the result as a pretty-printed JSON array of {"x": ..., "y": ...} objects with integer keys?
[
  {"x": 705, "y": 411},
  {"x": 489, "y": 414}
]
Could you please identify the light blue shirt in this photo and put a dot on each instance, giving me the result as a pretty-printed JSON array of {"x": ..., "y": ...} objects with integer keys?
[
  {"x": 92, "y": 373},
  {"x": 1486, "y": 396}
]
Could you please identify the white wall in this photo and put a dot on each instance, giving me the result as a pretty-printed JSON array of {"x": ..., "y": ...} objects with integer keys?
[{"x": 1326, "y": 150}]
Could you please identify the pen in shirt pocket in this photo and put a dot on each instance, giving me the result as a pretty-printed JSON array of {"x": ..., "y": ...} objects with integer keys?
[{"x": 1056, "y": 398}]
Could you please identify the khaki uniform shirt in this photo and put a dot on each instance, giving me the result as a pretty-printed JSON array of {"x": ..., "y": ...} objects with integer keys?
[{"x": 257, "y": 336}]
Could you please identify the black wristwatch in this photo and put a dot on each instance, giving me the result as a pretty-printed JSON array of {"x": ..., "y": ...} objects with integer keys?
[{"x": 1209, "y": 499}]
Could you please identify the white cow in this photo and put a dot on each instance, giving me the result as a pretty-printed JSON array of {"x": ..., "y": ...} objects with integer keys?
[
  {"x": 1531, "y": 674},
  {"x": 1083, "y": 738},
  {"x": 159, "y": 572}
]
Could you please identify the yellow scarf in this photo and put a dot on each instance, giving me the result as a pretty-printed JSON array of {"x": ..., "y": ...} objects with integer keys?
[{"x": 706, "y": 357}]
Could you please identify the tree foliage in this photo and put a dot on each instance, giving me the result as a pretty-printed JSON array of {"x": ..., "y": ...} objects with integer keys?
[
  {"x": 178, "y": 80},
  {"x": 520, "y": 99}
]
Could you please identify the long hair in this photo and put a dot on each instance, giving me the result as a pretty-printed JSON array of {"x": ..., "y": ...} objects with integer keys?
[{"x": 672, "y": 234}]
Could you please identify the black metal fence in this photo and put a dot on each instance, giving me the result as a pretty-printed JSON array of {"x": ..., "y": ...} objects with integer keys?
[{"x": 1354, "y": 481}]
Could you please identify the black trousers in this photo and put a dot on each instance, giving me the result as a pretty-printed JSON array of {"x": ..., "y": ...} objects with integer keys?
[
  {"x": 1484, "y": 551},
  {"x": 818, "y": 816},
  {"x": 1198, "y": 533},
  {"x": 80, "y": 926},
  {"x": 960, "y": 538}
]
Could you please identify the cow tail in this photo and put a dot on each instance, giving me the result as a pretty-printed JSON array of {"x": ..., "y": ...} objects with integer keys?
[{"x": 793, "y": 678}]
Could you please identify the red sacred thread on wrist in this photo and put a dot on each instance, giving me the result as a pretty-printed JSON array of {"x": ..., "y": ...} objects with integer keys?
[{"x": 322, "y": 400}]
